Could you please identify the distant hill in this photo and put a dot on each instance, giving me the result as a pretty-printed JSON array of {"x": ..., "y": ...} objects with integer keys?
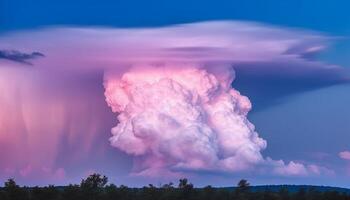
[{"x": 294, "y": 188}]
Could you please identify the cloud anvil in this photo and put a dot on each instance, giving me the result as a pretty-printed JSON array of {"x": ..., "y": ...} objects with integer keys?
[{"x": 171, "y": 90}]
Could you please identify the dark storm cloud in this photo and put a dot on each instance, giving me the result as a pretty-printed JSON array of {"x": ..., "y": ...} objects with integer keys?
[
  {"x": 270, "y": 83},
  {"x": 20, "y": 57}
]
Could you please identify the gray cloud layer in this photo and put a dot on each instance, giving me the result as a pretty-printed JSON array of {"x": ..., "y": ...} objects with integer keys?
[{"x": 20, "y": 57}]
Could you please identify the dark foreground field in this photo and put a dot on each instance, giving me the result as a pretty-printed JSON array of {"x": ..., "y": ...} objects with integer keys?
[{"x": 95, "y": 187}]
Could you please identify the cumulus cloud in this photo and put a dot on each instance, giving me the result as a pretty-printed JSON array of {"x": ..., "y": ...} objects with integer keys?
[
  {"x": 291, "y": 169},
  {"x": 182, "y": 119},
  {"x": 281, "y": 168},
  {"x": 20, "y": 57},
  {"x": 175, "y": 119},
  {"x": 345, "y": 155}
]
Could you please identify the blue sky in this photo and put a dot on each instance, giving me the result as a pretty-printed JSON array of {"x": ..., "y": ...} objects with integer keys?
[{"x": 311, "y": 125}]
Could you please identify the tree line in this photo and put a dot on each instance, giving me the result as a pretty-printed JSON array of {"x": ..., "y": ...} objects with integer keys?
[{"x": 96, "y": 187}]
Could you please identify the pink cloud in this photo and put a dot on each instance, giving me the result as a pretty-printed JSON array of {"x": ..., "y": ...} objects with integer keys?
[
  {"x": 183, "y": 119},
  {"x": 176, "y": 119},
  {"x": 205, "y": 42},
  {"x": 297, "y": 169},
  {"x": 292, "y": 169},
  {"x": 345, "y": 155}
]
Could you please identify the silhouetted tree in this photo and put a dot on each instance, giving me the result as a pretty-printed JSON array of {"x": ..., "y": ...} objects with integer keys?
[
  {"x": 183, "y": 183},
  {"x": 168, "y": 192},
  {"x": 243, "y": 185},
  {"x": 242, "y": 190},
  {"x": 92, "y": 186},
  {"x": 13, "y": 191},
  {"x": 95, "y": 181},
  {"x": 186, "y": 189},
  {"x": 168, "y": 185}
]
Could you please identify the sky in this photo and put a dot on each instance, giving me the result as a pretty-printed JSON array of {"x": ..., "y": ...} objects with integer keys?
[{"x": 56, "y": 128}]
